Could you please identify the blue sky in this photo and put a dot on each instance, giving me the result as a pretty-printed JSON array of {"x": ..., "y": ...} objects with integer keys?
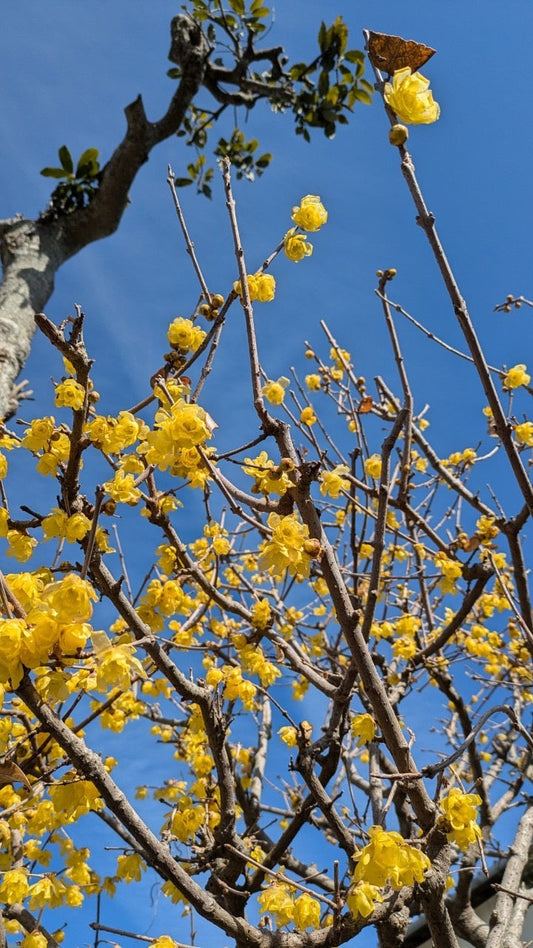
[{"x": 68, "y": 69}]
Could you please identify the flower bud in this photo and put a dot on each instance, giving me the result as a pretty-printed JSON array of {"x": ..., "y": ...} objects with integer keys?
[
  {"x": 217, "y": 300},
  {"x": 312, "y": 548},
  {"x": 398, "y": 135}
]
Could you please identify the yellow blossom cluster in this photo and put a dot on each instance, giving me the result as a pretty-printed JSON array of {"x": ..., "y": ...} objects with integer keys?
[
  {"x": 279, "y": 901},
  {"x": 178, "y": 426},
  {"x": 287, "y": 547},
  {"x": 56, "y": 618},
  {"x": 261, "y": 287},
  {"x": 234, "y": 685},
  {"x": 388, "y": 859},
  {"x": 460, "y": 817},
  {"x": 114, "y": 435},
  {"x": 184, "y": 335}
]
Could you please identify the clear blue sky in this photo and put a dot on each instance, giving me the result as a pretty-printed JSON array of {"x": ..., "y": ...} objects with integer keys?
[{"x": 68, "y": 69}]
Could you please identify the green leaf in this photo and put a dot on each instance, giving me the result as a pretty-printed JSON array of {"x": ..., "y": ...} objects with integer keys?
[
  {"x": 323, "y": 37},
  {"x": 88, "y": 162},
  {"x": 340, "y": 31},
  {"x": 354, "y": 56},
  {"x": 53, "y": 173},
  {"x": 174, "y": 73},
  {"x": 257, "y": 9},
  {"x": 238, "y": 7},
  {"x": 182, "y": 182},
  {"x": 363, "y": 96},
  {"x": 323, "y": 83},
  {"x": 66, "y": 159}
]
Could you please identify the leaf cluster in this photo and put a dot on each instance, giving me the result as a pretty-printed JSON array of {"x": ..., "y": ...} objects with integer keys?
[{"x": 78, "y": 186}]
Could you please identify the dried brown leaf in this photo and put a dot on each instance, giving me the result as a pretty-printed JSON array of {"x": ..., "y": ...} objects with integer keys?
[{"x": 389, "y": 53}]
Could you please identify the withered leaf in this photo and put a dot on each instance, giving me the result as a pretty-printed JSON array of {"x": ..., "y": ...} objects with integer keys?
[
  {"x": 389, "y": 53},
  {"x": 365, "y": 405},
  {"x": 11, "y": 773}
]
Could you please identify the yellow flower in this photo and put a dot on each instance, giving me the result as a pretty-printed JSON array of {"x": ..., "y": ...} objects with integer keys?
[
  {"x": 14, "y": 886},
  {"x": 261, "y": 287},
  {"x": 361, "y": 899},
  {"x": 311, "y": 214},
  {"x": 274, "y": 392},
  {"x": 308, "y": 416},
  {"x": 373, "y": 466},
  {"x": 296, "y": 247},
  {"x": 69, "y": 394},
  {"x": 524, "y": 433},
  {"x": 183, "y": 334},
  {"x": 333, "y": 482},
  {"x": 364, "y": 728},
  {"x": 121, "y": 488},
  {"x": 278, "y": 901},
  {"x": 516, "y": 377},
  {"x": 313, "y": 382},
  {"x": 131, "y": 867},
  {"x": 285, "y": 549},
  {"x": 35, "y": 939},
  {"x": 288, "y": 735},
  {"x": 410, "y": 97},
  {"x": 460, "y": 813},
  {"x": 306, "y": 912},
  {"x": 58, "y": 524},
  {"x": 71, "y": 598},
  {"x": 389, "y": 859},
  {"x": 20, "y": 545},
  {"x": 38, "y": 433}
]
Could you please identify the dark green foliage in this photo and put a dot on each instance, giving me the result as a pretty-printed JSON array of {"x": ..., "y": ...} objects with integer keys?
[{"x": 78, "y": 186}]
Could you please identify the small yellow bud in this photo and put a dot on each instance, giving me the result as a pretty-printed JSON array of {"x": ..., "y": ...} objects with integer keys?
[
  {"x": 312, "y": 548},
  {"x": 204, "y": 309},
  {"x": 309, "y": 354},
  {"x": 398, "y": 135},
  {"x": 379, "y": 273},
  {"x": 217, "y": 300}
]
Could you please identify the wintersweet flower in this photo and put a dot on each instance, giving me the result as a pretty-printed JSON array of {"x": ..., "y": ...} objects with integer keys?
[
  {"x": 311, "y": 214},
  {"x": 308, "y": 416},
  {"x": 184, "y": 335},
  {"x": 59, "y": 524},
  {"x": 306, "y": 912},
  {"x": 274, "y": 392},
  {"x": 516, "y": 376},
  {"x": 285, "y": 549},
  {"x": 296, "y": 246},
  {"x": 313, "y": 382},
  {"x": 261, "y": 287},
  {"x": 460, "y": 814},
  {"x": 38, "y": 433},
  {"x": 334, "y": 481},
  {"x": 362, "y": 898},
  {"x": 389, "y": 860},
  {"x": 69, "y": 394},
  {"x": 524, "y": 433},
  {"x": 277, "y": 901},
  {"x": 410, "y": 97},
  {"x": 373, "y": 466},
  {"x": 364, "y": 728}
]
